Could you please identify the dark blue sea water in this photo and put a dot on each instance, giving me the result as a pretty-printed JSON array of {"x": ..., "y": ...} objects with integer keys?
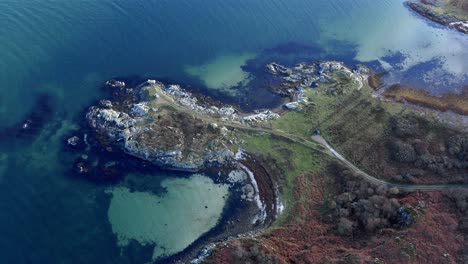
[{"x": 64, "y": 50}]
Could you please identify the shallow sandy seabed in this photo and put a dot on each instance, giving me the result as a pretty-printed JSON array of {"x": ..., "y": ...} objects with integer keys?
[
  {"x": 223, "y": 72},
  {"x": 171, "y": 222}
]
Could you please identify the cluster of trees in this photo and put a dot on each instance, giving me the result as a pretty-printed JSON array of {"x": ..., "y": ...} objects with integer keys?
[
  {"x": 460, "y": 198},
  {"x": 408, "y": 145},
  {"x": 363, "y": 208},
  {"x": 458, "y": 147},
  {"x": 252, "y": 254}
]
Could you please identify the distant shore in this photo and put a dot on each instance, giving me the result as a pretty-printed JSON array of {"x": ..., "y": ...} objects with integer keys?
[{"x": 440, "y": 14}]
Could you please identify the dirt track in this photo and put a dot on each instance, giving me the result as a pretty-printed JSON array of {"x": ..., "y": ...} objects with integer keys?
[
  {"x": 319, "y": 144},
  {"x": 374, "y": 180}
]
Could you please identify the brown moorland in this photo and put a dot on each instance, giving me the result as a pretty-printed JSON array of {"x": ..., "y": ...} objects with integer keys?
[
  {"x": 309, "y": 237},
  {"x": 457, "y": 103}
]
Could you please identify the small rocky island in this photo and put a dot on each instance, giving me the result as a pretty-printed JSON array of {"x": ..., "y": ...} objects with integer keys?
[{"x": 305, "y": 168}]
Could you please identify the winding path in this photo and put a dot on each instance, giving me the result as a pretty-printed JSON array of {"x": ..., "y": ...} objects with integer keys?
[
  {"x": 318, "y": 143},
  {"x": 374, "y": 180}
]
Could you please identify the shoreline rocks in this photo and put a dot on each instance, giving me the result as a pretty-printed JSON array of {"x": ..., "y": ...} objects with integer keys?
[{"x": 296, "y": 80}]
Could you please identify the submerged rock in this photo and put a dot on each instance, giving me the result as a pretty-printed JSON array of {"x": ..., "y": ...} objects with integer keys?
[{"x": 40, "y": 114}]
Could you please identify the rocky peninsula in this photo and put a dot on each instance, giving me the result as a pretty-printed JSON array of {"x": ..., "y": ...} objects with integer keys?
[
  {"x": 299, "y": 188},
  {"x": 449, "y": 13}
]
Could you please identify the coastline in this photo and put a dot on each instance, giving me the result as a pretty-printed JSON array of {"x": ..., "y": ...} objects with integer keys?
[
  {"x": 278, "y": 148},
  {"x": 447, "y": 102},
  {"x": 232, "y": 228},
  {"x": 111, "y": 121},
  {"x": 443, "y": 19}
]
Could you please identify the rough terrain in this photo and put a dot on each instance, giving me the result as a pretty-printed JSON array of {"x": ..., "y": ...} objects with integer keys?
[{"x": 350, "y": 194}]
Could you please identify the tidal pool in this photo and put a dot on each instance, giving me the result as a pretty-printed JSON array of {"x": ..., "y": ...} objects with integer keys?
[
  {"x": 172, "y": 221},
  {"x": 224, "y": 72}
]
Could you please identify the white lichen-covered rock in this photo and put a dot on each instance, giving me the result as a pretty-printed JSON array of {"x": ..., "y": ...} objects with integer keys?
[
  {"x": 104, "y": 117},
  {"x": 224, "y": 131},
  {"x": 186, "y": 99},
  {"x": 275, "y": 68},
  {"x": 227, "y": 111},
  {"x": 462, "y": 26},
  {"x": 115, "y": 84},
  {"x": 176, "y": 90},
  {"x": 261, "y": 117},
  {"x": 115, "y": 124},
  {"x": 139, "y": 110},
  {"x": 73, "y": 141},
  {"x": 292, "y": 106}
]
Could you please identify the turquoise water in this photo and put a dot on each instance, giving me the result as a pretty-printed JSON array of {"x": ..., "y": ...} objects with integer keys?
[{"x": 67, "y": 49}]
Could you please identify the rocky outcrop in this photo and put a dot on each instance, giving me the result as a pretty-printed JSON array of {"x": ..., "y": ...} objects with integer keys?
[
  {"x": 186, "y": 99},
  {"x": 334, "y": 75},
  {"x": 138, "y": 122},
  {"x": 461, "y": 26},
  {"x": 260, "y": 116}
]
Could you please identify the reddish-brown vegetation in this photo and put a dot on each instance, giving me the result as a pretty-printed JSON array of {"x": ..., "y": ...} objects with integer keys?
[
  {"x": 307, "y": 238},
  {"x": 374, "y": 80},
  {"x": 457, "y": 103}
]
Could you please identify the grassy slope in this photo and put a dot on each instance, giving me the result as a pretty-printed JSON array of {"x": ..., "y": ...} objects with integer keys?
[
  {"x": 293, "y": 158},
  {"x": 326, "y": 112},
  {"x": 352, "y": 112},
  {"x": 348, "y": 122}
]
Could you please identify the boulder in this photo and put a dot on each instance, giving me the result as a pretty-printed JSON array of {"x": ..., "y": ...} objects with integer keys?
[
  {"x": 293, "y": 106},
  {"x": 73, "y": 141},
  {"x": 139, "y": 110},
  {"x": 115, "y": 84},
  {"x": 275, "y": 68}
]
